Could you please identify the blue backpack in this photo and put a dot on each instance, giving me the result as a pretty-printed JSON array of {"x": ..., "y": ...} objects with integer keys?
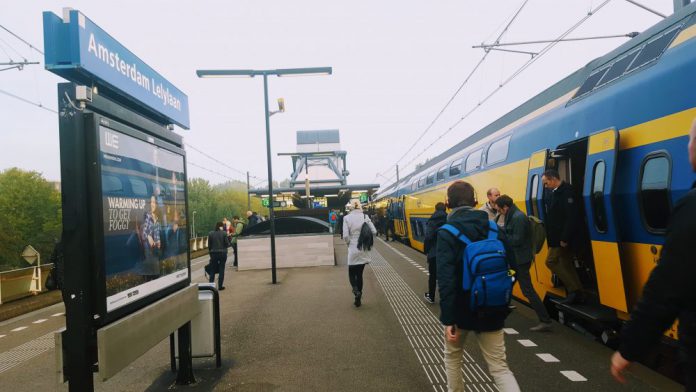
[{"x": 486, "y": 274}]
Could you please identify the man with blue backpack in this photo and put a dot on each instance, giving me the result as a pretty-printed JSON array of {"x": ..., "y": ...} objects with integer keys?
[{"x": 475, "y": 283}]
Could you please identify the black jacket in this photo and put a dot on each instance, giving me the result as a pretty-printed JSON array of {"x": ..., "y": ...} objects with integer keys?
[
  {"x": 519, "y": 235},
  {"x": 218, "y": 242},
  {"x": 562, "y": 215},
  {"x": 434, "y": 222},
  {"x": 669, "y": 293},
  {"x": 454, "y": 302},
  {"x": 253, "y": 219}
]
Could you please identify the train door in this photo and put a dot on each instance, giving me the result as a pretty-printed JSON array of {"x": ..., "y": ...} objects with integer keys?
[
  {"x": 535, "y": 189},
  {"x": 570, "y": 160},
  {"x": 534, "y": 200},
  {"x": 598, "y": 191}
]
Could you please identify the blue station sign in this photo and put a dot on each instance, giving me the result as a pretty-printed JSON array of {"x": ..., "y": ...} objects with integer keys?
[{"x": 80, "y": 51}]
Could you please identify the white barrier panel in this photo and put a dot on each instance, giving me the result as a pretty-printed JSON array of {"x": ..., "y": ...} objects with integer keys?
[{"x": 304, "y": 250}]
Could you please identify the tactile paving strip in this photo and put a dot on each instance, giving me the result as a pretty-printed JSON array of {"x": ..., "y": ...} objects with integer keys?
[
  {"x": 424, "y": 331},
  {"x": 25, "y": 352}
]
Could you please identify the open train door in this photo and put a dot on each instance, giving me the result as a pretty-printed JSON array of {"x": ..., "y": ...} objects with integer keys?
[
  {"x": 598, "y": 192},
  {"x": 534, "y": 203}
]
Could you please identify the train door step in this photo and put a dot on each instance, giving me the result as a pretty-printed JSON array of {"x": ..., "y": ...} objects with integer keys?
[{"x": 589, "y": 311}]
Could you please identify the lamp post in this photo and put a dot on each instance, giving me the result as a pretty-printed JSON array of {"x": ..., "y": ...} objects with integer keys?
[{"x": 231, "y": 73}]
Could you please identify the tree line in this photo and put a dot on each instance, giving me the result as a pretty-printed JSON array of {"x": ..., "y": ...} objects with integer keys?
[{"x": 31, "y": 214}]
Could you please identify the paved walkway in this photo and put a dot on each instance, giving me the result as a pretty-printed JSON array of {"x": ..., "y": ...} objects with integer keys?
[{"x": 304, "y": 334}]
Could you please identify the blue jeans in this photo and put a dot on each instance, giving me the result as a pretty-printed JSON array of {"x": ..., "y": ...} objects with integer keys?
[{"x": 217, "y": 266}]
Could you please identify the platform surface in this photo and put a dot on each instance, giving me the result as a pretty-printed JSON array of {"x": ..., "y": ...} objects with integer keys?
[{"x": 304, "y": 334}]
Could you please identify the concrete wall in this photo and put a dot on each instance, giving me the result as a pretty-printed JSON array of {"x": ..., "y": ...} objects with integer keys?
[
  {"x": 17, "y": 283},
  {"x": 308, "y": 250}
]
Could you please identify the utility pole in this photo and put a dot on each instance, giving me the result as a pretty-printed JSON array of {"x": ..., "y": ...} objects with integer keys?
[
  {"x": 248, "y": 196},
  {"x": 397, "y": 180}
]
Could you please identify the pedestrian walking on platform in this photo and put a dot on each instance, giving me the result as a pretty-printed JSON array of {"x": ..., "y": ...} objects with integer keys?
[
  {"x": 455, "y": 312},
  {"x": 669, "y": 292},
  {"x": 357, "y": 257},
  {"x": 238, "y": 230},
  {"x": 436, "y": 220},
  {"x": 562, "y": 223},
  {"x": 519, "y": 234},
  {"x": 218, "y": 242}
]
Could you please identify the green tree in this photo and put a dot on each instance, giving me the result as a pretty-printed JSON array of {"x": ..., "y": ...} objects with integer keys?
[
  {"x": 30, "y": 214},
  {"x": 213, "y": 203}
]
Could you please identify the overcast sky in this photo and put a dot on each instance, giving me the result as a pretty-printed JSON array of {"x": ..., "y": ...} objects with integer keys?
[{"x": 395, "y": 64}]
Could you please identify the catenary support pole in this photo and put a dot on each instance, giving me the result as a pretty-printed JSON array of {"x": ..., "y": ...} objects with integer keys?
[
  {"x": 248, "y": 195},
  {"x": 271, "y": 215}
]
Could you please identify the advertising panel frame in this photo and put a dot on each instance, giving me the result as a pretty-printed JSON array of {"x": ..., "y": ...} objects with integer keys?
[{"x": 93, "y": 122}]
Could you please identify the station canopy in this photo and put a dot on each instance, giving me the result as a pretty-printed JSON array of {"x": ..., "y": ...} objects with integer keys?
[{"x": 319, "y": 175}]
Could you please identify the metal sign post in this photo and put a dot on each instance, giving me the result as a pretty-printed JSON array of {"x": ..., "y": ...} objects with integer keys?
[
  {"x": 115, "y": 128},
  {"x": 32, "y": 256}
]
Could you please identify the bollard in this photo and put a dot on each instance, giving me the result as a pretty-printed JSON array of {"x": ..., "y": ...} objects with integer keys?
[
  {"x": 193, "y": 245},
  {"x": 205, "y": 242}
]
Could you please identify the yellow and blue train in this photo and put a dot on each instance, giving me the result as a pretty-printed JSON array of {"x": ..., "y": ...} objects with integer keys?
[{"x": 617, "y": 130}]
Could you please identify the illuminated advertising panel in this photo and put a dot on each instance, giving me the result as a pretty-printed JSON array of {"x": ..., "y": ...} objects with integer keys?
[{"x": 145, "y": 233}]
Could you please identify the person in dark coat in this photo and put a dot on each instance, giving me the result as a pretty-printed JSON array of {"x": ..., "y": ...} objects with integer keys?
[
  {"x": 519, "y": 235},
  {"x": 455, "y": 313},
  {"x": 562, "y": 224},
  {"x": 436, "y": 220},
  {"x": 252, "y": 218},
  {"x": 218, "y": 242},
  {"x": 669, "y": 292}
]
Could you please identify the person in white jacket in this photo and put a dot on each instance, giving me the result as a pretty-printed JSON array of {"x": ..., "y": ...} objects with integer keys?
[{"x": 352, "y": 224}]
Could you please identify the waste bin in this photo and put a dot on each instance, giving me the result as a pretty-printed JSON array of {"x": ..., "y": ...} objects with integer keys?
[{"x": 205, "y": 328}]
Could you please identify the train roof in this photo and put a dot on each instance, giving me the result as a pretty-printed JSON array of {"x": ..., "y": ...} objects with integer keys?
[{"x": 554, "y": 92}]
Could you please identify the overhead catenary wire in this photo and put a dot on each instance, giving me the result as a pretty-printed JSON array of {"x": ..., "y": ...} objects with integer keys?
[
  {"x": 39, "y": 105},
  {"x": 521, "y": 69},
  {"x": 17, "y": 97},
  {"x": 458, "y": 90},
  {"x": 21, "y": 39},
  {"x": 214, "y": 172},
  {"x": 220, "y": 162}
]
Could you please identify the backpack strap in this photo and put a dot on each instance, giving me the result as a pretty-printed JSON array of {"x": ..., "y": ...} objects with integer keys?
[
  {"x": 456, "y": 233},
  {"x": 492, "y": 230}
]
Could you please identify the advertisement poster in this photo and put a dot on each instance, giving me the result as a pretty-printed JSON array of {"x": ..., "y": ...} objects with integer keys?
[{"x": 145, "y": 228}]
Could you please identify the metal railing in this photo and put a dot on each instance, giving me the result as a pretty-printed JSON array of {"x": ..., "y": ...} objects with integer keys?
[{"x": 23, "y": 282}]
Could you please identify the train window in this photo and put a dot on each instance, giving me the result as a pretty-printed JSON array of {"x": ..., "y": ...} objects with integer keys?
[
  {"x": 421, "y": 182},
  {"x": 590, "y": 83},
  {"x": 473, "y": 161},
  {"x": 441, "y": 173},
  {"x": 597, "y": 197},
  {"x": 653, "y": 50},
  {"x": 654, "y": 192},
  {"x": 618, "y": 68},
  {"x": 430, "y": 179},
  {"x": 498, "y": 151},
  {"x": 139, "y": 187},
  {"x": 111, "y": 184},
  {"x": 455, "y": 168},
  {"x": 533, "y": 194}
]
